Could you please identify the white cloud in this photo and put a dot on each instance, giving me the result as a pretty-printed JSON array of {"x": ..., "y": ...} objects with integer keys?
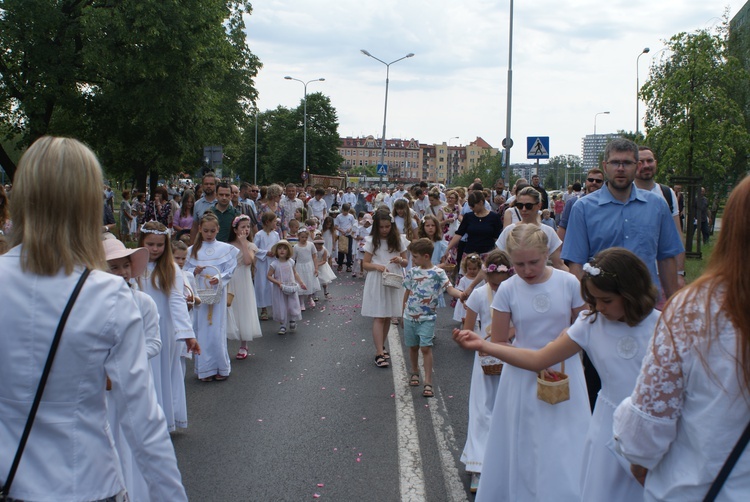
[{"x": 570, "y": 60}]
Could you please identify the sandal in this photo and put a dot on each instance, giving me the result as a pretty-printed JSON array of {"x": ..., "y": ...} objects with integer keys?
[
  {"x": 263, "y": 315},
  {"x": 220, "y": 378},
  {"x": 208, "y": 379},
  {"x": 381, "y": 362},
  {"x": 348, "y": 270},
  {"x": 427, "y": 392},
  {"x": 242, "y": 353},
  {"x": 414, "y": 380},
  {"x": 328, "y": 296},
  {"x": 282, "y": 330},
  {"x": 386, "y": 354}
]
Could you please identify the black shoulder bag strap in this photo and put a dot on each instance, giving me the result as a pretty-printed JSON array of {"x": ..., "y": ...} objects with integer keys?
[
  {"x": 42, "y": 382},
  {"x": 728, "y": 465}
]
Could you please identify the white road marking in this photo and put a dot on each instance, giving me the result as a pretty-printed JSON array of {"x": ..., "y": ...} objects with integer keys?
[
  {"x": 446, "y": 443},
  {"x": 411, "y": 475}
]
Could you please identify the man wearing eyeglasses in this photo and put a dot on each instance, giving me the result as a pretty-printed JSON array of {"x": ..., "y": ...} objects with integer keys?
[
  {"x": 594, "y": 181},
  {"x": 645, "y": 175},
  {"x": 622, "y": 215}
]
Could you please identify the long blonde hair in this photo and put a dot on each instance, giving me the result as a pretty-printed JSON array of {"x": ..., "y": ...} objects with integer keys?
[{"x": 58, "y": 204}]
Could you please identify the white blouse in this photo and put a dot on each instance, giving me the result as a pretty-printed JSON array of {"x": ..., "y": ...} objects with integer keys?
[
  {"x": 687, "y": 410},
  {"x": 70, "y": 455}
]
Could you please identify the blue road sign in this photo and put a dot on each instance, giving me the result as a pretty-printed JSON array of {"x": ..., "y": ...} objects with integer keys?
[
  {"x": 382, "y": 169},
  {"x": 537, "y": 147}
]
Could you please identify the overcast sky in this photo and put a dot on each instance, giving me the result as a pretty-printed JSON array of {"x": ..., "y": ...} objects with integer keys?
[{"x": 571, "y": 60}]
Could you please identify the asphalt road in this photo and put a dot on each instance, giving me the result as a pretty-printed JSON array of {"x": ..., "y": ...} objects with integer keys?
[{"x": 309, "y": 416}]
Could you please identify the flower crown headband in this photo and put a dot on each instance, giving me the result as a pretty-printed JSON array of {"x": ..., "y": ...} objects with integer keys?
[
  {"x": 594, "y": 271},
  {"x": 145, "y": 230},
  {"x": 238, "y": 219},
  {"x": 491, "y": 269}
]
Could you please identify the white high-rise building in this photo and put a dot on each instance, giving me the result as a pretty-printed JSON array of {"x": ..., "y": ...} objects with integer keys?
[{"x": 592, "y": 146}]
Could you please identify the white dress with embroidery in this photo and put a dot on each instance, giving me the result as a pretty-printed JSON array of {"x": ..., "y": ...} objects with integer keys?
[
  {"x": 616, "y": 351},
  {"x": 211, "y": 320},
  {"x": 265, "y": 242},
  {"x": 305, "y": 266},
  {"x": 243, "y": 322},
  {"x": 687, "y": 410},
  {"x": 535, "y": 448}
]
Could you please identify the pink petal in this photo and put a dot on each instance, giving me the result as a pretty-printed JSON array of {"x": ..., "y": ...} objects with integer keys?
[{"x": 320, "y": 485}]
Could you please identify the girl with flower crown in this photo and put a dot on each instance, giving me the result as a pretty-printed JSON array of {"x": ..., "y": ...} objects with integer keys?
[
  {"x": 243, "y": 322},
  {"x": 536, "y": 447},
  {"x": 213, "y": 263},
  {"x": 163, "y": 281},
  {"x": 615, "y": 332}
]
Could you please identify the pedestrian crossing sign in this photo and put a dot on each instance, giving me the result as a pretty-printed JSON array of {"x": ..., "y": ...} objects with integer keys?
[
  {"x": 537, "y": 147},
  {"x": 382, "y": 169}
]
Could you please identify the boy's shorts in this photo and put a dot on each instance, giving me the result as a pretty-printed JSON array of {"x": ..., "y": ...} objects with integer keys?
[{"x": 418, "y": 333}]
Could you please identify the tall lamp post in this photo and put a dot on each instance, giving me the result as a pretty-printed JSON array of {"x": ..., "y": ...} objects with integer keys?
[
  {"x": 508, "y": 142},
  {"x": 596, "y": 115},
  {"x": 385, "y": 109},
  {"x": 637, "y": 91},
  {"x": 304, "y": 120}
]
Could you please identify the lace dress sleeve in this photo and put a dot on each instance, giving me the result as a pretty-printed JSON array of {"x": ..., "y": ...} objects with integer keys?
[{"x": 645, "y": 424}]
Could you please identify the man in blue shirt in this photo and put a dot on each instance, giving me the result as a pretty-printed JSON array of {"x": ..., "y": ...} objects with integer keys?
[{"x": 622, "y": 215}]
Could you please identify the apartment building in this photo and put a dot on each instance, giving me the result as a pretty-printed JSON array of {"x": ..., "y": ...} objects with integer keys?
[{"x": 410, "y": 161}]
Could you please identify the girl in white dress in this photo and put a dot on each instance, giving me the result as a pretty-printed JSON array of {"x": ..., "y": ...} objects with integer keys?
[
  {"x": 213, "y": 263},
  {"x": 615, "y": 333},
  {"x": 325, "y": 272},
  {"x": 328, "y": 229},
  {"x": 286, "y": 307},
  {"x": 536, "y": 447},
  {"x": 179, "y": 253},
  {"x": 472, "y": 265},
  {"x": 362, "y": 232},
  {"x": 306, "y": 266},
  {"x": 483, "y": 387},
  {"x": 164, "y": 283},
  {"x": 243, "y": 310},
  {"x": 264, "y": 241},
  {"x": 384, "y": 247}
]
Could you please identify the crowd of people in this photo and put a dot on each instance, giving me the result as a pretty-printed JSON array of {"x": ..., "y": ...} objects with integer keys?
[{"x": 599, "y": 374}]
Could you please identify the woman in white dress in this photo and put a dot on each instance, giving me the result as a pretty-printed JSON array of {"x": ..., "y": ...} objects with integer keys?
[
  {"x": 70, "y": 453},
  {"x": 265, "y": 239},
  {"x": 690, "y": 404},
  {"x": 243, "y": 321},
  {"x": 536, "y": 447}
]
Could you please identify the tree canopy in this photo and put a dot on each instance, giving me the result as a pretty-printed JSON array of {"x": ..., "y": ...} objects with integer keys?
[
  {"x": 147, "y": 83},
  {"x": 692, "y": 120}
]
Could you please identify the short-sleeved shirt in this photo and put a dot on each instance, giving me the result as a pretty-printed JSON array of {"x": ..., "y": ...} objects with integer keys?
[
  {"x": 318, "y": 208},
  {"x": 426, "y": 286},
  {"x": 643, "y": 225},
  {"x": 201, "y": 206},
  {"x": 344, "y": 223},
  {"x": 225, "y": 221}
]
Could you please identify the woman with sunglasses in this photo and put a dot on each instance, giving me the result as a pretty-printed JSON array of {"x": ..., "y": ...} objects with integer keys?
[{"x": 528, "y": 202}]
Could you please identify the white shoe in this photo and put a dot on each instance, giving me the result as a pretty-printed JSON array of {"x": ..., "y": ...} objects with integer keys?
[{"x": 474, "y": 482}]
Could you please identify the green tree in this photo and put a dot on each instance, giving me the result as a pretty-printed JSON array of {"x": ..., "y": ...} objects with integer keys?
[
  {"x": 488, "y": 168},
  {"x": 147, "y": 83},
  {"x": 561, "y": 170},
  {"x": 281, "y": 140},
  {"x": 692, "y": 121}
]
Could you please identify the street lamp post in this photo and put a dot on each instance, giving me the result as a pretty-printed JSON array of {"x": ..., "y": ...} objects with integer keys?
[
  {"x": 508, "y": 142},
  {"x": 304, "y": 120},
  {"x": 637, "y": 91},
  {"x": 596, "y": 115},
  {"x": 385, "y": 109}
]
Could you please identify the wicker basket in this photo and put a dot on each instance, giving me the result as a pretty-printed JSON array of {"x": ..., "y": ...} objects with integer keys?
[
  {"x": 393, "y": 279},
  {"x": 210, "y": 295},
  {"x": 491, "y": 365},
  {"x": 553, "y": 392}
]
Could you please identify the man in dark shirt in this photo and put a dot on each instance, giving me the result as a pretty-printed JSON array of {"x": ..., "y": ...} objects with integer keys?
[{"x": 224, "y": 211}]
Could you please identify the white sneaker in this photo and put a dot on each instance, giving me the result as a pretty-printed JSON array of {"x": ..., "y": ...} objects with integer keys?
[{"x": 474, "y": 482}]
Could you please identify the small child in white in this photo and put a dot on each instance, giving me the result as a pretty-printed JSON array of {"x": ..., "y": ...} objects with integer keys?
[{"x": 424, "y": 284}]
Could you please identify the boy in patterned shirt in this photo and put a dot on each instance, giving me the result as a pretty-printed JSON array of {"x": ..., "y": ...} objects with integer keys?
[{"x": 424, "y": 284}]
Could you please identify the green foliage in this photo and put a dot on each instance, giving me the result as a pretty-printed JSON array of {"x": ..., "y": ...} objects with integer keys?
[
  {"x": 281, "y": 140},
  {"x": 147, "y": 83},
  {"x": 488, "y": 168},
  {"x": 556, "y": 169},
  {"x": 693, "y": 122}
]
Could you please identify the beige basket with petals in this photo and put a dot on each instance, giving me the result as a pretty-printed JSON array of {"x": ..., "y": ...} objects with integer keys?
[
  {"x": 553, "y": 391},
  {"x": 393, "y": 279}
]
